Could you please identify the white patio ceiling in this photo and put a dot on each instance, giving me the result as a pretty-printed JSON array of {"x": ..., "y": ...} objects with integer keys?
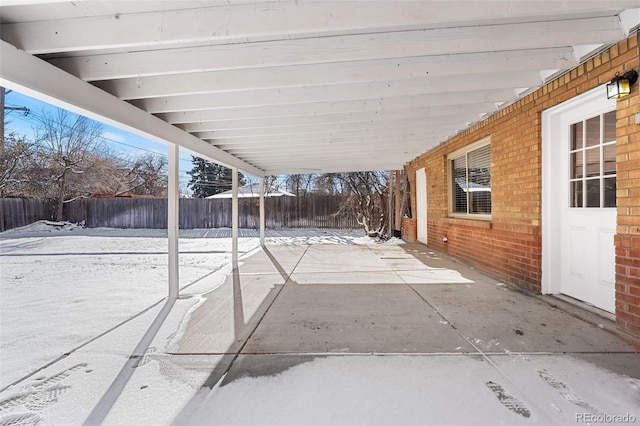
[{"x": 299, "y": 86}]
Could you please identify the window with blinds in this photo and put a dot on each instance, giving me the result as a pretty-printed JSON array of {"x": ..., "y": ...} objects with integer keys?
[{"x": 470, "y": 190}]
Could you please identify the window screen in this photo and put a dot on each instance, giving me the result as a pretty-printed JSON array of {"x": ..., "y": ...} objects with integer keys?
[{"x": 471, "y": 181}]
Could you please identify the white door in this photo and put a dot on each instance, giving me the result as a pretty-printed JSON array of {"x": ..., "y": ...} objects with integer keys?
[
  {"x": 579, "y": 199},
  {"x": 421, "y": 205}
]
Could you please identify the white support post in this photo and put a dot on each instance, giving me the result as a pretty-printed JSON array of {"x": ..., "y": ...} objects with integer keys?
[
  {"x": 398, "y": 201},
  {"x": 262, "y": 212},
  {"x": 234, "y": 218},
  {"x": 173, "y": 223}
]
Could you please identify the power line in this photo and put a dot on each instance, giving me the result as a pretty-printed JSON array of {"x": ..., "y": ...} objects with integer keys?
[
  {"x": 104, "y": 138},
  {"x": 3, "y": 108},
  {"x": 40, "y": 117}
]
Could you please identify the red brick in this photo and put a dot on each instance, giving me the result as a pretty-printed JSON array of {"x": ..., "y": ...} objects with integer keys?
[{"x": 510, "y": 246}]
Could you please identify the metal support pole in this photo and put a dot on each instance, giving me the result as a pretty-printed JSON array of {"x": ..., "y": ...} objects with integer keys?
[
  {"x": 262, "y": 212},
  {"x": 234, "y": 217},
  {"x": 173, "y": 223}
]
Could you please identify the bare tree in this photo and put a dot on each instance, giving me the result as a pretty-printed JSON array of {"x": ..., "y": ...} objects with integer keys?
[
  {"x": 270, "y": 183},
  {"x": 367, "y": 198},
  {"x": 327, "y": 183},
  {"x": 144, "y": 175},
  {"x": 14, "y": 157},
  {"x": 68, "y": 154},
  {"x": 299, "y": 184}
]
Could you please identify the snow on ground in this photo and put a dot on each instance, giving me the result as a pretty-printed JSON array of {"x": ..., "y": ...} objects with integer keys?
[
  {"x": 63, "y": 285},
  {"x": 76, "y": 288},
  {"x": 421, "y": 390},
  {"x": 76, "y": 302},
  {"x": 46, "y": 226}
]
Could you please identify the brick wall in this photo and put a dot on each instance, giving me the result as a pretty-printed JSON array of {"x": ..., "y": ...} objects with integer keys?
[
  {"x": 509, "y": 246},
  {"x": 409, "y": 230},
  {"x": 627, "y": 240}
]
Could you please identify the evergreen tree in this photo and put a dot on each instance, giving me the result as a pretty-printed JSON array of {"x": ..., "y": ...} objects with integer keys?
[{"x": 209, "y": 178}]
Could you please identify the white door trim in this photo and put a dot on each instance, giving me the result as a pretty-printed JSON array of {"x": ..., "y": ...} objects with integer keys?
[
  {"x": 421, "y": 205},
  {"x": 551, "y": 228}
]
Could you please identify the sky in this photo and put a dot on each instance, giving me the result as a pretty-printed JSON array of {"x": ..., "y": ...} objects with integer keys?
[{"x": 119, "y": 141}]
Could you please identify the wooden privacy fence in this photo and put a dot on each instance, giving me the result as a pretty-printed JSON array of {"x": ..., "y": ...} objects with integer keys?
[
  {"x": 314, "y": 211},
  {"x": 15, "y": 212}
]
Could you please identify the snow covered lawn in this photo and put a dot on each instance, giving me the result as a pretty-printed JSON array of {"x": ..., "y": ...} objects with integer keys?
[{"x": 62, "y": 286}]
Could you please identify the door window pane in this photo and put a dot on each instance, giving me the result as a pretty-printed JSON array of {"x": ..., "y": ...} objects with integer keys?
[
  {"x": 576, "y": 193},
  {"x": 609, "y": 159},
  {"x": 593, "y": 192},
  {"x": 609, "y": 191},
  {"x": 593, "y": 132},
  {"x": 576, "y": 165},
  {"x": 576, "y": 136},
  {"x": 609, "y": 127},
  {"x": 592, "y": 165}
]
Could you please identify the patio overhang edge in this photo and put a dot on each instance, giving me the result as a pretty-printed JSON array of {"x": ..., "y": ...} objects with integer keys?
[{"x": 37, "y": 78}]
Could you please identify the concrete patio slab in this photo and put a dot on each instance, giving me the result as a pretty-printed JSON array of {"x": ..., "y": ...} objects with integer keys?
[
  {"x": 440, "y": 389},
  {"x": 275, "y": 260},
  {"x": 228, "y": 314},
  {"x": 353, "y": 319},
  {"x": 433, "y": 276},
  {"x": 347, "y": 277},
  {"x": 440, "y": 306},
  {"x": 184, "y": 374},
  {"x": 499, "y": 318},
  {"x": 329, "y": 258},
  {"x": 624, "y": 364},
  {"x": 407, "y": 263},
  {"x": 431, "y": 330},
  {"x": 569, "y": 385}
]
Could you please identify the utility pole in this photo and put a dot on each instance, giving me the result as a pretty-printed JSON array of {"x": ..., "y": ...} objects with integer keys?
[
  {"x": 1, "y": 120},
  {"x": 4, "y": 108}
]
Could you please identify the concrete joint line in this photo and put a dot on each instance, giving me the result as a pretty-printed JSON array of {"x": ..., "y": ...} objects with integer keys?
[
  {"x": 482, "y": 353},
  {"x": 244, "y": 344}
]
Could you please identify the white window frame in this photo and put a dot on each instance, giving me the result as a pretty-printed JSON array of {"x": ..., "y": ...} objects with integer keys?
[{"x": 454, "y": 155}]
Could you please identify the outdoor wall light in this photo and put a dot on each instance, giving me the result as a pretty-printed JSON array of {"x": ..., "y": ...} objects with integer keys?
[{"x": 620, "y": 85}]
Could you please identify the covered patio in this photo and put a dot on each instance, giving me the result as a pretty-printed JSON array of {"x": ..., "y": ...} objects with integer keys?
[
  {"x": 281, "y": 87},
  {"x": 483, "y": 351},
  {"x": 322, "y": 334},
  {"x": 340, "y": 333}
]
